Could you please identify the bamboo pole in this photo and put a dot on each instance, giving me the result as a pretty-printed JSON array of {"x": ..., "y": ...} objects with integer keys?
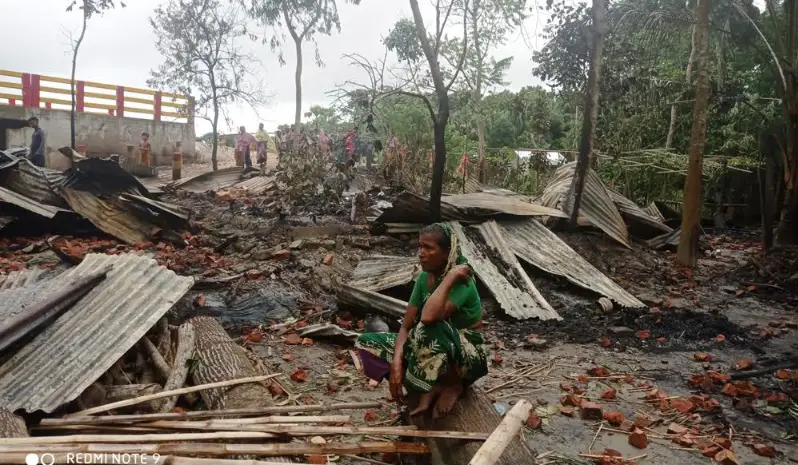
[
  {"x": 222, "y": 449},
  {"x": 243, "y": 412},
  {"x": 234, "y": 423},
  {"x": 175, "y": 392},
  {"x": 503, "y": 435}
]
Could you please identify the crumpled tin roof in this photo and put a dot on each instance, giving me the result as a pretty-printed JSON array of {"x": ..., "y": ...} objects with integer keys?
[
  {"x": 636, "y": 214},
  {"x": 85, "y": 341},
  {"x": 379, "y": 272},
  {"x": 109, "y": 216},
  {"x": 537, "y": 245},
  {"x": 373, "y": 301},
  {"x": 510, "y": 285},
  {"x": 29, "y": 204},
  {"x": 482, "y": 204},
  {"x": 257, "y": 185},
  {"x": 210, "y": 181},
  {"x": 597, "y": 205},
  {"x": 411, "y": 208},
  {"x": 31, "y": 181}
]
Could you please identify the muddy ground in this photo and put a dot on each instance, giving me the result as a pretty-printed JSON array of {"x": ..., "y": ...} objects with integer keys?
[{"x": 262, "y": 268}]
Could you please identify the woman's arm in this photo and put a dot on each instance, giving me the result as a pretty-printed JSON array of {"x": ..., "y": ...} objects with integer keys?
[
  {"x": 401, "y": 338},
  {"x": 438, "y": 306}
]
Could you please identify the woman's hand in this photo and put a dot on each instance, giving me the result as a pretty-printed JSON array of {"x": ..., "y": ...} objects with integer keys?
[
  {"x": 461, "y": 273},
  {"x": 396, "y": 380}
]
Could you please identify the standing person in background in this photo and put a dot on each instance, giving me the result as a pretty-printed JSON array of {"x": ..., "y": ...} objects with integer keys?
[
  {"x": 145, "y": 149},
  {"x": 37, "y": 143},
  {"x": 243, "y": 141},
  {"x": 349, "y": 143},
  {"x": 369, "y": 153},
  {"x": 262, "y": 141}
]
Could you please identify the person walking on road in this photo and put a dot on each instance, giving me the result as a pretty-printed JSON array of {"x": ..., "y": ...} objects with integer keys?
[
  {"x": 243, "y": 141},
  {"x": 37, "y": 143}
]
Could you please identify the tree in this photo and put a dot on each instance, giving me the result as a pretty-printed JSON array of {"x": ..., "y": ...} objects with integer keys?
[
  {"x": 303, "y": 19},
  {"x": 199, "y": 40},
  {"x": 489, "y": 21},
  {"x": 89, "y": 8},
  {"x": 586, "y": 154},
  {"x": 691, "y": 213}
]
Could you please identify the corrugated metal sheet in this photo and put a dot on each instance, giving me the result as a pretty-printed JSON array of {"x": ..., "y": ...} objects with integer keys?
[
  {"x": 653, "y": 211},
  {"x": 83, "y": 343},
  {"x": 380, "y": 272},
  {"x": 31, "y": 205},
  {"x": 597, "y": 205},
  {"x": 482, "y": 204},
  {"x": 109, "y": 217},
  {"x": 634, "y": 213},
  {"x": 412, "y": 208},
  {"x": 516, "y": 294},
  {"x": 102, "y": 176},
  {"x": 363, "y": 298},
  {"x": 39, "y": 184},
  {"x": 257, "y": 185},
  {"x": 668, "y": 239},
  {"x": 537, "y": 245},
  {"x": 19, "y": 278},
  {"x": 210, "y": 181}
]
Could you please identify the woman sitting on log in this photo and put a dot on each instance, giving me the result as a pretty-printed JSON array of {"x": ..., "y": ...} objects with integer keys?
[{"x": 438, "y": 351}]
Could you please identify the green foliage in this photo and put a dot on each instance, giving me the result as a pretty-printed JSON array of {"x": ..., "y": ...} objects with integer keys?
[
  {"x": 93, "y": 7},
  {"x": 403, "y": 40}
]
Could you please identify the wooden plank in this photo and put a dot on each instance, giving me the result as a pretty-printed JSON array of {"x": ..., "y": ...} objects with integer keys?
[
  {"x": 11, "y": 85},
  {"x": 185, "y": 349},
  {"x": 473, "y": 412},
  {"x": 503, "y": 435},
  {"x": 55, "y": 90},
  {"x": 145, "y": 101},
  {"x": 55, "y": 79},
  {"x": 100, "y": 95},
  {"x": 5, "y": 72},
  {"x": 100, "y": 85},
  {"x": 99, "y": 106},
  {"x": 57, "y": 101}
]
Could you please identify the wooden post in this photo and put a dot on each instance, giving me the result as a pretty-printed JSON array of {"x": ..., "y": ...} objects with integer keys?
[
  {"x": 156, "y": 106},
  {"x": 80, "y": 97},
  {"x": 177, "y": 162},
  {"x": 120, "y": 101}
]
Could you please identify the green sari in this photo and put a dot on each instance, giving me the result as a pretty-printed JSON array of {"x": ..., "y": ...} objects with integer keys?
[{"x": 431, "y": 349}]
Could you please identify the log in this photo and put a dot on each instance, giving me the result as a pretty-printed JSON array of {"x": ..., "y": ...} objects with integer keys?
[
  {"x": 473, "y": 412},
  {"x": 143, "y": 369},
  {"x": 220, "y": 359},
  {"x": 12, "y": 426},
  {"x": 161, "y": 395},
  {"x": 245, "y": 412},
  {"x": 507, "y": 432},
  {"x": 185, "y": 350},
  {"x": 164, "y": 344},
  {"x": 225, "y": 449},
  {"x": 119, "y": 393},
  {"x": 161, "y": 367}
]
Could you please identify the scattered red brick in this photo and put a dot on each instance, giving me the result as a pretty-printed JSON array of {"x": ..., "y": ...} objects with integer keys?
[
  {"x": 683, "y": 441},
  {"x": 627, "y": 425},
  {"x": 370, "y": 416},
  {"x": 292, "y": 339},
  {"x": 533, "y": 421},
  {"x": 710, "y": 451},
  {"x": 178, "y": 410},
  {"x": 720, "y": 338},
  {"x": 591, "y": 411},
  {"x": 718, "y": 377},
  {"x": 746, "y": 389},
  {"x": 497, "y": 358},
  {"x": 254, "y": 336},
  {"x": 328, "y": 259},
  {"x": 642, "y": 421},
  {"x": 638, "y": 439},
  {"x": 571, "y": 400},
  {"x": 661, "y": 340},
  {"x": 783, "y": 375},
  {"x": 723, "y": 443},
  {"x": 284, "y": 254},
  {"x": 565, "y": 387},
  {"x": 777, "y": 398},
  {"x": 609, "y": 394},
  {"x": 730, "y": 390},
  {"x": 682, "y": 405},
  {"x": 605, "y": 342},
  {"x": 599, "y": 372},
  {"x": 643, "y": 334},
  {"x": 764, "y": 450},
  {"x": 614, "y": 418},
  {"x": 654, "y": 394},
  {"x": 299, "y": 376},
  {"x": 200, "y": 301},
  {"x": 744, "y": 364},
  {"x": 307, "y": 341},
  {"x": 317, "y": 459},
  {"x": 300, "y": 324},
  {"x": 726, "y": 457},
  {"x": 276, "y": 390},
  {"x": 702, "y": 357},
  {"x": 288, "y": 356},
  {"x": 567, "y": 411},
  {"x": 675, "y": 428}
]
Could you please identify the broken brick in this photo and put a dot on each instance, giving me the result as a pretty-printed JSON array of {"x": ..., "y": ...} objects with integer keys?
[
  {"x": 627, "y": 425},
  {"x": 299, "y": 376},
  {"x": 675, "y": 428},
  {"x": 702, "y": 357},
  {"x": 638, "y": 439},
  {"x": 744, "y": 364},
  {"x": 661, "y": 340},
  {"x": 307, "y": 341},
  {"x": 726, "y": 457},
  {"x": 643, "y": 334},
  {"x": 609, "y": 394},
  {"x": 571, "y": 400},
  {"x": 729, "y": 390},
  {"x": 682, "y": 405},
  {"x": 614, "y": 418},
  {"x": 783, "y": 375},
  {"x": 292, "y": 339},
  {"x": 370, "y": 416},
  {"x": 328, "y": 259},
  {"x": 718, "y": 377},
  {"x": 317, "y": 459},
  {"x": 683, "y": 441},
  {"x": 275, "y": 390},
  {"x": 605, "y": 342},
  {"x": 567, "y": 411},
  {"x": 746, "y": 389},
  {"x": 642, "y": 421},
  {"x": 533, "y": 421},
  {"x": 565, "y": 387},
  {"x": 722, "y": 442},
  {"x": 284, "y": 254},
  {"x": 653, "y": 394},
  {"x": 764, "y": 450},
  {"x": 720, "y": 338},
  {"x": 591, "y": 411},
  {"x": 599, "y": 372},
  {"x": 777, "y": 398},
  {"x": 710, "y": 451}
]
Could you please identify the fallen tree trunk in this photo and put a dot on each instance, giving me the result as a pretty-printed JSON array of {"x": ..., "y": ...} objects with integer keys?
[
  {"x": 12, "y": 426},
  {"x": 221, "y": 359},
  {"x": 185, "y": 349},
  {"x": 474, "y": 412}
]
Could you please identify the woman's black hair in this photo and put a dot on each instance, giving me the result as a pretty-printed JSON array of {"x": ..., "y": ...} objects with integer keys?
[{"x": 444, "y": 241}]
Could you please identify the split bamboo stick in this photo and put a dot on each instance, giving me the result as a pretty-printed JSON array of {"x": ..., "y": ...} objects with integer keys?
[{"x": 503, "y": 435}]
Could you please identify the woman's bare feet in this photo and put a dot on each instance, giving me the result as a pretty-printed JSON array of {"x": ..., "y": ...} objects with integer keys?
[
  {"x": 425, "y": 401},
  {"x": 449, "y": 395}
]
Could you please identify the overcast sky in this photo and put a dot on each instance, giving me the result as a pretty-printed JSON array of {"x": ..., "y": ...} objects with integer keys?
[{"x": 119, "y": 49}]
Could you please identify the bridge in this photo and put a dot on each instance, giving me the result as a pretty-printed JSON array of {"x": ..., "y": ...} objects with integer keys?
[{"x": 108, "y": 119}]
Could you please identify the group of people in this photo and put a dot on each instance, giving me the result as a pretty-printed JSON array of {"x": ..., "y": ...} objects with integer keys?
[{"x": 245, "y": 140}]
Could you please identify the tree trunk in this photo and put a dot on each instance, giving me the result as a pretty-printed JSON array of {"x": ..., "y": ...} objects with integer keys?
[
  {"x": 436, "y": 190},
  {"x": 768, "y": 202},
  {"x": 586, "y": 155},
  {"x": 72, "y": 82},
  {"x": 185, "y": 350},
  {"x": 298, "y": 84},
  {"x": 483, "y": 162},
  {"x": 215, "y": 125},
  {"x": 691, "y": 214},
  {"x": 672, "y": 127}
]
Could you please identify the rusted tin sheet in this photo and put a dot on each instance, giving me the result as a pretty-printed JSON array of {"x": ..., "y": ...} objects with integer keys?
[
  {"x": 210, "y": 181},
  {"x": 535, "y": 244},
  {"x": 512, "y": 288},
  {"x": 634, "y": 214},
  {"x": 84, "y": 342},
  {"x": 109, "y": 216},
  {"x": 38, "y": 184},
  {"x": 597, "y": 205},
  {"x": 412, "y": 208},
  {"x": 483, "y": 204},
  {"x": 653, "y": 211},
  {"x": 379, "y": 272},
  {"x": 29, "y": 204},
  {"x": 370, "y": 300},
  {"x": 257, "y": 185}
]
